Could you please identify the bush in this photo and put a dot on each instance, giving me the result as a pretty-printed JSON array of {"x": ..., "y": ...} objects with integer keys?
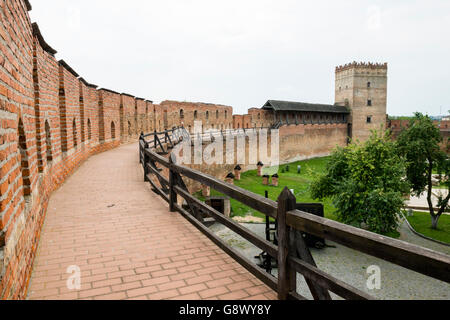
[{"x": 365, "y": 181}]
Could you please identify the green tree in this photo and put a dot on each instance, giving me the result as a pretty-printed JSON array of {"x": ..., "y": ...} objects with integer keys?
[
  {"x": 365, "y": 181},
  {"x": 421, "y": 145}
]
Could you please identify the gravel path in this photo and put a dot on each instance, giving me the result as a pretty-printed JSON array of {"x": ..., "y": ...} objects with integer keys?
[{"x": 351, "y": 266}]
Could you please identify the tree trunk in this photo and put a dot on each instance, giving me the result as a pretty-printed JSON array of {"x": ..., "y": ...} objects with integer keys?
[
  {"x": 434, "y": 222},
  {"x": 430, "y": 191}
]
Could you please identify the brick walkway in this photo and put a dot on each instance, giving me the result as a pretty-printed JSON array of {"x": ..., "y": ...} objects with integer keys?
[{"x": 108, "y": 222}]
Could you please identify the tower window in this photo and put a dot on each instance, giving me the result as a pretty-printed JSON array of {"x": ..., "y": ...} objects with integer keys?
[
  {"x": 369, "y": 119},
  {"x": 368, "y": 84},
  {"x": 369, "y": 103}
]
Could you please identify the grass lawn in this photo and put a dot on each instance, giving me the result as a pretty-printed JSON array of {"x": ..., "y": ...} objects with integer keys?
[
  {"x": 299, "y": 182},
  {"x": 421, "y": 222}
]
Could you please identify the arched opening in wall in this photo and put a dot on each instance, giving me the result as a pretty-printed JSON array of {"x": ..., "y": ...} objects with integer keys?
[
  {"x": 226, "y": 114},
  {"x": 113, "y": 130},
  {"x": 369, "y": 84},
  {"x": 89, "y": 130},
  {"x": 48, "y": 139},
  {"x": 190, "y": 129},
  {"x": 217, "y": 114},
  {"x": 207, "y": 115},
  {"x": 181, "y": 114},
  {"x": 23, "y": 160},
  {"x": 74, "y": 132},
  {"x": 129, "y": 129},
  {"x": 195, "y": 115}
]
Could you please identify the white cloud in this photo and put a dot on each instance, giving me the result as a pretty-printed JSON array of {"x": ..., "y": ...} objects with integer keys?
[{"x": 242, "y": 53}]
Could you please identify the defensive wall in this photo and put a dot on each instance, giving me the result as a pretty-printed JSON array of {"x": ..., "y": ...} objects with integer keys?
[{"x": 52, "y": 119}]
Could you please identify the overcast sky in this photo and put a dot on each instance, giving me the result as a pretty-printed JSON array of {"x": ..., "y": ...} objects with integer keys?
[{"x": 243, "y": 52}]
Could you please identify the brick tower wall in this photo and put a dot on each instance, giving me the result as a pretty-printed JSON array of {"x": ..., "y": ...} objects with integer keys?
[{"x": 363, "y": 87}]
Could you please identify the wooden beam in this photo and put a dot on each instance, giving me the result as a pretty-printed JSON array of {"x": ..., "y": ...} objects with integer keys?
[
  {"x": 410, "y": 256},
  {"x": 261, "y": 243},
  {"x": 259, "y": 273},
  {"x": 327, "y": 281},
  {"x": 287, "y": 277},
  {"x": 246, "y": 197}
]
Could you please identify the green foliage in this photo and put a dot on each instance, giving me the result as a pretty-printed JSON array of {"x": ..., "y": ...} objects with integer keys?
[
  {"x": 420, "y": 145},
  {"x": 299, "y": 182},
  {"x": 365, "y": 181}
]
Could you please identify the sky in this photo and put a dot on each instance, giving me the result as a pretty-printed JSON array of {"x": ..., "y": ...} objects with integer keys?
[{"x": 242, "y": 53}]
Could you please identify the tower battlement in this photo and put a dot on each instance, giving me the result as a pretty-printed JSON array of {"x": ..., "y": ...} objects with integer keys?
[{"x": 362, "y": 65}]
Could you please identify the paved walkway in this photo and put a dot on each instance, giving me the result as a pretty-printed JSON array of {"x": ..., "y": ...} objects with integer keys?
[
  {"x": 127, "y": 244},
  {"x": 422, "y": 202}
]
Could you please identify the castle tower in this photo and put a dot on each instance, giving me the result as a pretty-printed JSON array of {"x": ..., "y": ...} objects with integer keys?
[{"x": 363, "y": 88}]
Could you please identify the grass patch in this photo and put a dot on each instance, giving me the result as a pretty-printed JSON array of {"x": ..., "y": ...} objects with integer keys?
[
  {"x": 421, "y": 222},
  {"x": 299, "y": 182}
]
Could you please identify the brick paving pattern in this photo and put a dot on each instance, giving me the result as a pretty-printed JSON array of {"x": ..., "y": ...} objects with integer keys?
[{"x": 127, "y": 244}]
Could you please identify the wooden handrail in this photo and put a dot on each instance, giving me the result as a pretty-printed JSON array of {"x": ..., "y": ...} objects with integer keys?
[
  {"x": 410, "y": 256},
  {"x": 292, "y": 253},
  {"x": 250, "y": 199},
  {"x": 258, "y": 241},
  {"x": 327, "y": 281}
]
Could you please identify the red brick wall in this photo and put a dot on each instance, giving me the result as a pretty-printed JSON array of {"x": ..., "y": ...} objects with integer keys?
[
  {"x": 69, "y": 106},
  {"x": 159, "y": 117},
  {"x": 46, "y": 88},
  {"x": 141, "y": 107},
  {"x": 89, "y": 95},
  {"x": 109, "y": 112},
  {"x": 18, "y": 172},
  {"x": 212, "y": 116},
  {"x": 128, "y": 107},
  {"x": 150, "y": 111},
  {"x": 238, "y": 121},
  {"x": 35, "y": 90}
]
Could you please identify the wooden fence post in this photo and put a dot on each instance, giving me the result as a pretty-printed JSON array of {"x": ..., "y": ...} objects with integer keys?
[
  {"x": 287, "y": 277},
  {"x": 172, "y": 182},
  {"x": 291, "y": 242},
  {"x": 146, "y": 162},
  {"x": 141, "y": 138}
]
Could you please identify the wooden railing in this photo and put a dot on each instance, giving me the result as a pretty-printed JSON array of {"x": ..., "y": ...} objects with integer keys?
[{"x": 292, "y": 254}]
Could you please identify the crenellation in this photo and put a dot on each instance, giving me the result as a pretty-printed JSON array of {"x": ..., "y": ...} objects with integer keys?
[{"x": 362, "y": 65}]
